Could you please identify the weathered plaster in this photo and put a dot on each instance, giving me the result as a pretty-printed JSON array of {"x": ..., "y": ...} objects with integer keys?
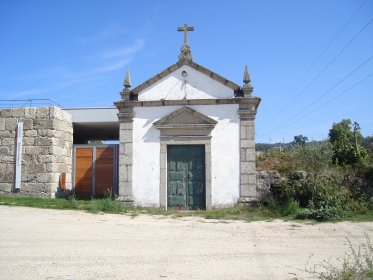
[
  {"x": 224, "y": 165},
  {"x": 175, "y": 67},
  {"x": 194, "y": 86}
]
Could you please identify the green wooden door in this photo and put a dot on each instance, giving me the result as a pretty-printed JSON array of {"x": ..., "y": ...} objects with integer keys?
[{"x": 186, "y": 177}]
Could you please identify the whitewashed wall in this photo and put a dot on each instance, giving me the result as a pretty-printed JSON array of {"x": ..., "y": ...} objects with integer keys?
[
  {"x": 195, "y": 86},
  {"x": 224, "y": 154}
]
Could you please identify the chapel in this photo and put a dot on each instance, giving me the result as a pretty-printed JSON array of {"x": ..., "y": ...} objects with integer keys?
[{"x": 187, "y": 138}]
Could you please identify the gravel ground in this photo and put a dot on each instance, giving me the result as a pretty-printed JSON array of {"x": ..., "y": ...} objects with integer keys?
[{"x": 63, "y": 244}]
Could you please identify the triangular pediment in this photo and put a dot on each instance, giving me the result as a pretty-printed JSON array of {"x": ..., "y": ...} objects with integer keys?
[
  {"x": 150, "y": 82},
  {"x": 185, "y": 117}
]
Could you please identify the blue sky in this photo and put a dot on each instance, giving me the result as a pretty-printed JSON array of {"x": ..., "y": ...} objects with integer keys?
[{"x": 310, "y": 61}]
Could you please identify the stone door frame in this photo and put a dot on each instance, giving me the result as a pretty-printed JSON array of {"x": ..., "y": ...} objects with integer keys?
[
  {"x": 204, "y": 141},
  {"x": 185, "y": 126}
]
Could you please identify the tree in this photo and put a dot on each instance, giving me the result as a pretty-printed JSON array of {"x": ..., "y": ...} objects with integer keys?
[
  {"x": 300, "y": 140},
  {"x": 368, "y": 143},
  {"x": 346, "y": 140}
]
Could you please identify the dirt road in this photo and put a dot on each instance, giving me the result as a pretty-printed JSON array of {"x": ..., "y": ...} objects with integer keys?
[{"x": 53, "y": 244}]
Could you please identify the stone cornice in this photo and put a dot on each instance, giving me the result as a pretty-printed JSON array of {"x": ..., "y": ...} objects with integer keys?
[
  {"x": 247, "y": 111},
  {"x": 247, "y": 114},
  {"x": 254, "y": 101},
  {"x": 126, "y": 117}
]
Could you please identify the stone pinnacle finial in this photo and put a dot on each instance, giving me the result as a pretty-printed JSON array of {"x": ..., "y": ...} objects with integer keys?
[
  {"x": 185, "y": 49},
  {"x": 246, "y": 76},
  {"x": 125, "y": 93},
  {"x": 127, "y": 80},
  {"x": 247, "y": 89}
]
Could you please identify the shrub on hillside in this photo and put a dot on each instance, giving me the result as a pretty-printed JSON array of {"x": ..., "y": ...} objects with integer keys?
[
  {"x": 276, "y": 160},
  {"x": 321, "y": 198},
  {"x": 315, "y": 158},
  {"x": 308, "y": 190}
]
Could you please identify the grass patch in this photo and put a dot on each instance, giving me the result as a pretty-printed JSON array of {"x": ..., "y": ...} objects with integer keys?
[
  {"x": 244, "y": 213},
  {"x": 367, "y": 216},
  {"x": 108, "y": 205},
  {"x": 36, "y": 202},
  {"x": 93, "y": 205}
]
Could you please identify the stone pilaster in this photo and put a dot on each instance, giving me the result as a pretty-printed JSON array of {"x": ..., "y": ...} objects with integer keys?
[
  {"x": 125, "y": 118},
  {"x": 248, "y": 193}
]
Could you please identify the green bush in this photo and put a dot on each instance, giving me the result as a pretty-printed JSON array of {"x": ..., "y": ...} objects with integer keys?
[
  {"x": 365, "y": 170},
  {"x": 306, "y": 190},
  {"x": 322, "y": 199},
  {"x": 370, "y": 204},
  {"x": 290, "y": 208},
  {"x": 324, "y": 213},
  {"x": 357, "y": 207},
  {"x": 315, "y": 158}
]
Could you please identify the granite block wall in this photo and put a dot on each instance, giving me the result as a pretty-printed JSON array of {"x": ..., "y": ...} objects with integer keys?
[{"x": 46, "y": 153}]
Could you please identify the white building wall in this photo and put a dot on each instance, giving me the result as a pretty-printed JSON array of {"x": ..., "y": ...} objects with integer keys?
[
  {"x": 224, "y": 153},
  {"x": 195, "y": 86}
]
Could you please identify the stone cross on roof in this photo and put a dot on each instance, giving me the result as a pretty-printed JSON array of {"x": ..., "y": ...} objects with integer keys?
[
  {"x": 186, "y": 28},
  {"x": 185, "y": 49}
]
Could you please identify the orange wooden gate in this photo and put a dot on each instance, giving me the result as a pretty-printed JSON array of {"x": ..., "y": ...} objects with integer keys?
[{"x": 95, "y": 170}]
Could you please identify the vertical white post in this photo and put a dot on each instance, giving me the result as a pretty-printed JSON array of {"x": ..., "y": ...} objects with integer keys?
[{"x": 17, "y": 185}]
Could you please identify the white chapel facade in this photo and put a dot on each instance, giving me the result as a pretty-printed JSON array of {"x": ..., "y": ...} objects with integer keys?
[
  {"x": 187, "y": 138},
  {"x": 186, "y": 141}
]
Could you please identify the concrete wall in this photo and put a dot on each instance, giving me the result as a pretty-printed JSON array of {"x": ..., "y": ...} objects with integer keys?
[
  {"x": 195, "y": 86},
  {"x": 225, "y": 153},
  {"x": 93, "y": 115},
  {"x": 47, "y": 150}
]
